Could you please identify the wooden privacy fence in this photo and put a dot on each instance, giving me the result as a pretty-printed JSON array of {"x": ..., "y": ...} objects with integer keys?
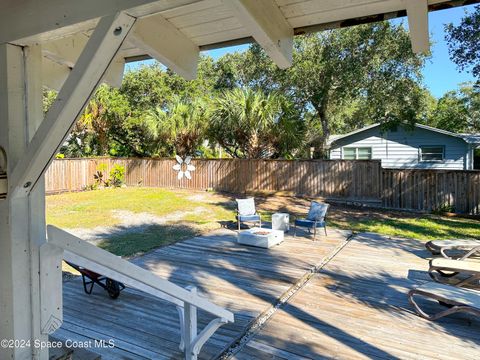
[
  {"x": 333, "y": 179},
  {"x": 427, "y": 190},
  {"x": 351, "y": 181}
]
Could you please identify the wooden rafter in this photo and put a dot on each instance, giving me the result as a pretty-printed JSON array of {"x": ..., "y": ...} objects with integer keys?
[
  {"x": 268, "y": 27},
  {"x": 165, "y": 43},
  {"x": 417, "y": 11}
]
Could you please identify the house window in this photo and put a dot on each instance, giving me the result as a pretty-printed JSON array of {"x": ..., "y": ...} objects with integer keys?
[
  {"x": 432, "y": 153},
  {"x": 357, "y": 153}
]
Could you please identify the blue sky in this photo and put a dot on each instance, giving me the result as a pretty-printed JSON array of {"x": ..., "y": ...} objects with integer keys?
[{"x": 440, "y": 74}]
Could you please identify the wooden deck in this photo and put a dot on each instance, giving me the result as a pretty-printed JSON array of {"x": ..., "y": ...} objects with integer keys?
[
  {"x": 245, "y": 280},
  {"x": 357, "y": 308}
]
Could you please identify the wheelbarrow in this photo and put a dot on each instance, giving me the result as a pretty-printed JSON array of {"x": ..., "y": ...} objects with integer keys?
[{"x": 90, "y": 278}]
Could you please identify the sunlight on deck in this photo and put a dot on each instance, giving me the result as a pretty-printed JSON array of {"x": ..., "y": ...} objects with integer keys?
[{"x": 357, "y": 308}]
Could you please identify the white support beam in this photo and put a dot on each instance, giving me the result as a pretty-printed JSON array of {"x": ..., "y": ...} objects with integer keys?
[
  {"x": 61, "y": 56},
  {"x": 52, "y": 18},
  {"x": 417, "y": 11},
  {"x": 54, "y": 75},
  {"x": 268, "y": 27},
  {"x": 70, "y": 102},
  {"x": 165, "y": 43},
  {"x": 22, "y": 219},
  {"x": 65, "y": 50},
  {"x": 114, "y": 74},
  {"x": 51, "y": 299}
]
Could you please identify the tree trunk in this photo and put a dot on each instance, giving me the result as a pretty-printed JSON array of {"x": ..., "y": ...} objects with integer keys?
[{"x": 321, "y": 109}]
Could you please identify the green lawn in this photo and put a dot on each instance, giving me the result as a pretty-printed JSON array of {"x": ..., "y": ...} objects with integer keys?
[
  {"x": 180, "y": 214},
  {"x": 422, "y": 228},
  {"x": 97, "y": 208},
  {"x": 185, "y": 215}
]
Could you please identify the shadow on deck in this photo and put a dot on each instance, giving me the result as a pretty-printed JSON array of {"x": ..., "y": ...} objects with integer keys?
[
  {"x": 357, "y": 308},
  {"x": 245, "y": 280}
]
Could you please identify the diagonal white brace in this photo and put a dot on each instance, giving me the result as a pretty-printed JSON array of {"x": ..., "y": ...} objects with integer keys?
[
  {"x": 203, "y": 337},
  {"x": 92, "y": 64}
]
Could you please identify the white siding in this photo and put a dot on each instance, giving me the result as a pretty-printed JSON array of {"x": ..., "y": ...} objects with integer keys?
[{"x": 400, "y": 149}]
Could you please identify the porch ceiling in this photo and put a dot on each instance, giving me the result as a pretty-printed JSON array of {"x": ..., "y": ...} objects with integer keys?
[{"x": 190, "y": 26}]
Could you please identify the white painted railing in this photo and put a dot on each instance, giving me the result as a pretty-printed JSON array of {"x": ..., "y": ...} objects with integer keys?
[{"x": 63, "y": 245}]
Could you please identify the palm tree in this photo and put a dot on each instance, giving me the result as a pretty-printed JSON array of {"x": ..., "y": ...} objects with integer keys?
[
  {"x": 181, "y": 126},
  {"x": 251, "y": 124}
]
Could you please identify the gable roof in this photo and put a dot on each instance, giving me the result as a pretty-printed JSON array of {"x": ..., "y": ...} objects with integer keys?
[{"x": 468, "y": 138}]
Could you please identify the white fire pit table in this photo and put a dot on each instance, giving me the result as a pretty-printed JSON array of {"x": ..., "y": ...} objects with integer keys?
[{"x": 259, "y": 237}]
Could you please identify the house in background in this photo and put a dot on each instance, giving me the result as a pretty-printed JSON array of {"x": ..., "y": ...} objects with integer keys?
[{"x": 421, "y": 147}]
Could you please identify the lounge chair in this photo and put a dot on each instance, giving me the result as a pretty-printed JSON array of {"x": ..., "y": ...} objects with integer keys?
[
  {"x": 246, "y": 212},
  {"x": 455, "y": 272},
  {"x": 440, "y": 247},
  {"x": 315, "y": 218},
  {"x": 456, "y": 299}
]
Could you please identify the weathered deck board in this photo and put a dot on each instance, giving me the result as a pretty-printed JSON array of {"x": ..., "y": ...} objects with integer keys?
[
  {"x": 357, "y": 308},
  {"x": 242, "y": 279}
]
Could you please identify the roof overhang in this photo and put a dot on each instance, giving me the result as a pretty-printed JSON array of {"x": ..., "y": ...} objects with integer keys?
[{"x": 175, "y": 31}]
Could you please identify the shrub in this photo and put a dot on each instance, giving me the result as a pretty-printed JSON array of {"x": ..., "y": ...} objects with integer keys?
[
  {"x": 117, "y": 176},
  {"x": 99, "y": 176},
  {"x": 443, "y": 209}
]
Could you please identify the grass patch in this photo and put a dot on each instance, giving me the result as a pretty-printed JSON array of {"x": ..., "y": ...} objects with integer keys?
[
  {"x": 90, "y": 209},
  {"x": 188, "y": 214},
  {"x": 392, "y": 223},
  {"x": 138, "y": 242},
  {"x": 422, "y": 227}
]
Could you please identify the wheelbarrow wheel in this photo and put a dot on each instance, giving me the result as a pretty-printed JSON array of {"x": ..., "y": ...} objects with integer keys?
[{"x": 113, "y": 288}]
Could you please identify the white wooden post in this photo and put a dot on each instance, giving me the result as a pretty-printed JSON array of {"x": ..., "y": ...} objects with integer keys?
[
  {"x": 24, "y": 135},
  {"x": 22, "y": 219},
  {"x": 190, "y": 327}
]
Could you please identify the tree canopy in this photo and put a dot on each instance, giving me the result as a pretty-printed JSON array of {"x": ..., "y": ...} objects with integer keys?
[
  {"x": 243, "y": 104},
  {"x": 368, "y": 72},
  {"x": 459, "y": 111},
  {"x": 251, "y": 124},
  {"x": 464, "y": 43}
]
